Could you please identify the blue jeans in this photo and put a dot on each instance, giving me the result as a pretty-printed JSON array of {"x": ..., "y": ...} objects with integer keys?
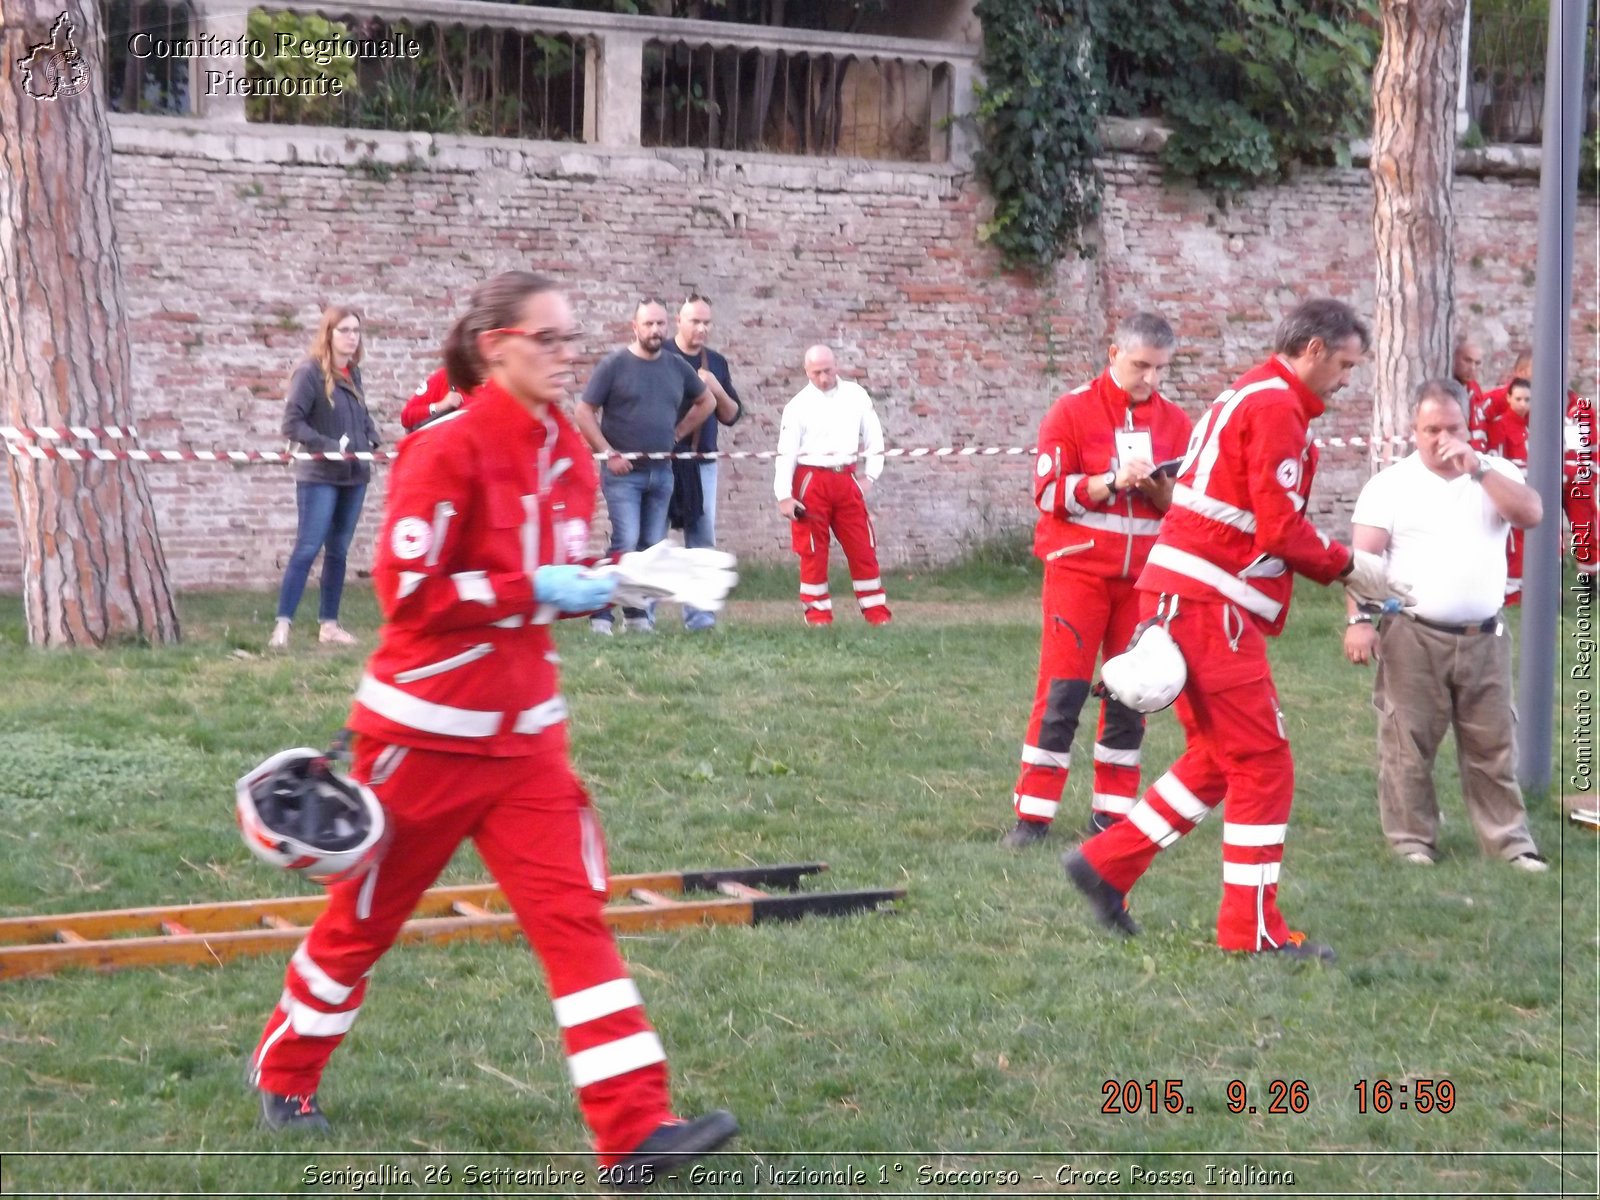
[
  {"x": 328, "y": 515},
  {"x": 637, "y": 504},
  {"x": 702, "y": 534}
]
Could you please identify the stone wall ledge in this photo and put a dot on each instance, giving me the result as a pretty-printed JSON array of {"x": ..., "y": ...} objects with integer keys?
[
  {"x": 384, "y": 151},
  {"x": 1130, "y": 135}
]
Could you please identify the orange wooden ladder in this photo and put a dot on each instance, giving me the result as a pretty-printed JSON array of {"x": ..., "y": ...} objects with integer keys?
[{"x": 203, "y": 934}]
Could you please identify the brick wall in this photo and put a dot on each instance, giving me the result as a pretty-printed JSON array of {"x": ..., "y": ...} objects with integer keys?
[{"x": 232, "y": 241}]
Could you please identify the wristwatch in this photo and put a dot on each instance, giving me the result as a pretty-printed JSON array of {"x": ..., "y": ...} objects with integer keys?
[
  {"x": 1110, "y": 479},
  {"x": 1483, "y": 469},
  {"x": 1361, "y": 619}
]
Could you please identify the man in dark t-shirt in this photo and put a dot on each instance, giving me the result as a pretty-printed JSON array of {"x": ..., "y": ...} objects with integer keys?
[
  {"x": 689, "y": 343},
  {"x": 632, "y": 405}
]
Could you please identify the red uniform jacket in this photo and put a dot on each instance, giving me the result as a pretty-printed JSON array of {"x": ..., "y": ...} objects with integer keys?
[
  {"x": 434, "y": 389},
  {"x": 1508, "y": 437},
  {"x": 1237, "y": 529},
  {"x": 477, "y": 501},
  {"x": 1482, "y": 409},
  {"x": 1077, "y": 441}
]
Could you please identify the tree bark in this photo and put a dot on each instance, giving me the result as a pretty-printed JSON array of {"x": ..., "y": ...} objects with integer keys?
[
  {"x": 1413, "y": 170},
  {"x": 93, "y": 568}
]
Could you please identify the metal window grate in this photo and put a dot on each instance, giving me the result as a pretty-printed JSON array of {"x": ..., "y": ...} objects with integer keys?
[
  {"x": 489, "y": 82},
  {"x": 143, "y": 73},
  {"x": 713, "y": 97}
]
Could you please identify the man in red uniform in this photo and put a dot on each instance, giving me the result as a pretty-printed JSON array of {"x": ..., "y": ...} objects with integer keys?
[
  {"x": 1466, "y": 364},
  {"x": 1220, "y": 576},
  {"x": 1099, "y": 509},
  {"x": 1508, "y": 437},
  {"x": 461, "y": 732},
  {"x": 435, "y": 398}
]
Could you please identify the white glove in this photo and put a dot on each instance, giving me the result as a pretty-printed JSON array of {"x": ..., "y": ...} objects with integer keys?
[
  {"x": 1368, "y": 580},
  {"x": 699, "y": 578}
]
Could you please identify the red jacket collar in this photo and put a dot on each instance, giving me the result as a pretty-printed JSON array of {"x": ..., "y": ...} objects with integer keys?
[{"x": 1312, "y": 405}]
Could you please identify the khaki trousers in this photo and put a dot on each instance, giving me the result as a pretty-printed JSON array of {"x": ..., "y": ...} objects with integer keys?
[{"x": 1429, "y": 681}]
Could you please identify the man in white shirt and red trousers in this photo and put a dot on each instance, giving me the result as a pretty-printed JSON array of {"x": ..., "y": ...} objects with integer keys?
[
  {"x": 826, "y": 426},
  {"x": 1220, "y": 577},
  {"x": 1099, "y": 509}
]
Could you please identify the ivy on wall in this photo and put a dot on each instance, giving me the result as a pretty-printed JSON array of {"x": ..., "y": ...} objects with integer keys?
[
  {"x": 1038, "y": 116},
  {"x": 1249, "y": 88}
]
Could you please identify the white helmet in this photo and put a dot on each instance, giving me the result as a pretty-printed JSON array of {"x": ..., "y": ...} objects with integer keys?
[
  {"x": 1149, "y": 674},
  {"x": 298, "y": 812}
]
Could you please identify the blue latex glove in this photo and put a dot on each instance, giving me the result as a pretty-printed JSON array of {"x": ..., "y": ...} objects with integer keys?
[{"x": 572, "y": 589}]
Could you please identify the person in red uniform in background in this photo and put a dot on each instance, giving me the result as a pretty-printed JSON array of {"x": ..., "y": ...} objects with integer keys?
[
  {"x": 1578, "y": 492},
  {"x": 1508, "y": 437},
  {"x": 1220, "y": 576},
  {"x": 461, "y": 732},
  {"x": 436, "y": 397},
  {"x": 1464, "y": 368},
  {"x": 1494, "y": 400},
  {"x": 1099, "y": 508}
]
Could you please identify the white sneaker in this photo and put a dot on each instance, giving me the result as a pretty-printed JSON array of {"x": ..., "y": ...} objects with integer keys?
[
  {"x": 603, "y": 628},
  {"x": 639, "y": 625},
  {"x": 280, "y": 636},
  {"x": 1531, "y": 862},
  {"x": 1420, "y": 859}
]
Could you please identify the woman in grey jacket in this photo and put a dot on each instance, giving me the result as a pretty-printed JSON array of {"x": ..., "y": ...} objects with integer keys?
[{"x": 326, "y": 411}]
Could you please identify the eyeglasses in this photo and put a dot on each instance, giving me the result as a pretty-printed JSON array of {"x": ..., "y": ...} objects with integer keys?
[
  {"x": 546, "y": 339},
  {"x": 355, "y": 329}
]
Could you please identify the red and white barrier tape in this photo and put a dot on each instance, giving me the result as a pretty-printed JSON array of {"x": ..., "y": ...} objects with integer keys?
[
  {"x": 28, "y": 433},
  {"x": 243, "y": 457}
]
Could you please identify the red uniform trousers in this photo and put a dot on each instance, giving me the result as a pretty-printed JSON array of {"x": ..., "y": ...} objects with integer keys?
[
  {"x": 1084, "y": 615},
  {"x": 1578, "y": 501},
  {"x": 833, "y": 500},
  {"x": 1235, "y": 747},
  {"x": 533, "y": 826},
  {"x": 1514, "y": 567}
]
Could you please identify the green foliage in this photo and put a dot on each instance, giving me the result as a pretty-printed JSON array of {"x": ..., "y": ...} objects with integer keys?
[
  {"x": 1589, "y": 162},
  {"x": 265, "y": 26},
  {"x": 1249, "y": 87},
  {"x": 1039, "y": 114}
]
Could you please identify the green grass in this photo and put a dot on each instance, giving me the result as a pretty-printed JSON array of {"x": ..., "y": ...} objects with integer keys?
[{"x": 974, "y": 1028}]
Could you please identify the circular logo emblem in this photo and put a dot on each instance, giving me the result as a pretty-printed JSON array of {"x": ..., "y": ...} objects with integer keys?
[
  {"x": 410, "y": 538},
  {"x": 1288, "y": 472},
  {"x": 1044, "y": 465}
]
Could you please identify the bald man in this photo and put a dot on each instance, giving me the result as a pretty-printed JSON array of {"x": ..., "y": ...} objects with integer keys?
[{"x": 826, "y": 427}]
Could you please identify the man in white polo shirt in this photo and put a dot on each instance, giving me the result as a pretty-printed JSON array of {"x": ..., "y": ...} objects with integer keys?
[
  {"x": 818, "y": 487},
  {"x": 1440, "y": 516}
]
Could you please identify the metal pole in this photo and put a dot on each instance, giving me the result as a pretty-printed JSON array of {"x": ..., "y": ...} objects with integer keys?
[{"x": 1552, "y": 313}]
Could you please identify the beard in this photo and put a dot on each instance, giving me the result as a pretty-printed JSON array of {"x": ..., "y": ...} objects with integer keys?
[{"x": 651, "y": 342}]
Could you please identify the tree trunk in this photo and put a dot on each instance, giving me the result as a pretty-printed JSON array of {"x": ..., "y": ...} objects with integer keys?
[
  {"x": 92, "y": 562},
  {"x": 1413, "y": 169}
]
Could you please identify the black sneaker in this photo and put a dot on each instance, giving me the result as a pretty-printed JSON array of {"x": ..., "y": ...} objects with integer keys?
[
  {"x": 673, "y": 1145},
  {"x": 1099, "y": 821},
  {"x": 1110, "y": 906},
  {"x": 1299, "y": 949},
  {"x": 1025, "y": 834},
  {"x": 292, "y": 1113}
]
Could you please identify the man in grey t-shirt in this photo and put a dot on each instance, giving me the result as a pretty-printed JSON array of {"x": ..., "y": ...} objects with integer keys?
[{"x": 640, "y": 401}]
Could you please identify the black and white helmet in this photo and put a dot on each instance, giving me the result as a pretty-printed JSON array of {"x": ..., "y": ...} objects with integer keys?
[{"x": 300, "y": 812}]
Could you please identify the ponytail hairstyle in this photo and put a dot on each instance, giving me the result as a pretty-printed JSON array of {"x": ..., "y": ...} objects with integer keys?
[
  {"x": 495, "y": 304},
  {"x": 322, "y": 344}
]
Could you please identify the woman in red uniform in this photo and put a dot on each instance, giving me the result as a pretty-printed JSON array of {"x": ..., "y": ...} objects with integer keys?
[{"x": 461, "y": 732}]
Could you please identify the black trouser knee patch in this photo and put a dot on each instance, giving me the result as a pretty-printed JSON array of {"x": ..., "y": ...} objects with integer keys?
[
  {"x": 1124, "y": 726},
  {"x": 1062, "y": 703}
]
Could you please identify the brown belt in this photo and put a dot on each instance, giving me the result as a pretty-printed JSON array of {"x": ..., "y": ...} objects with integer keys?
[{"x": 1492, "y": 625}]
